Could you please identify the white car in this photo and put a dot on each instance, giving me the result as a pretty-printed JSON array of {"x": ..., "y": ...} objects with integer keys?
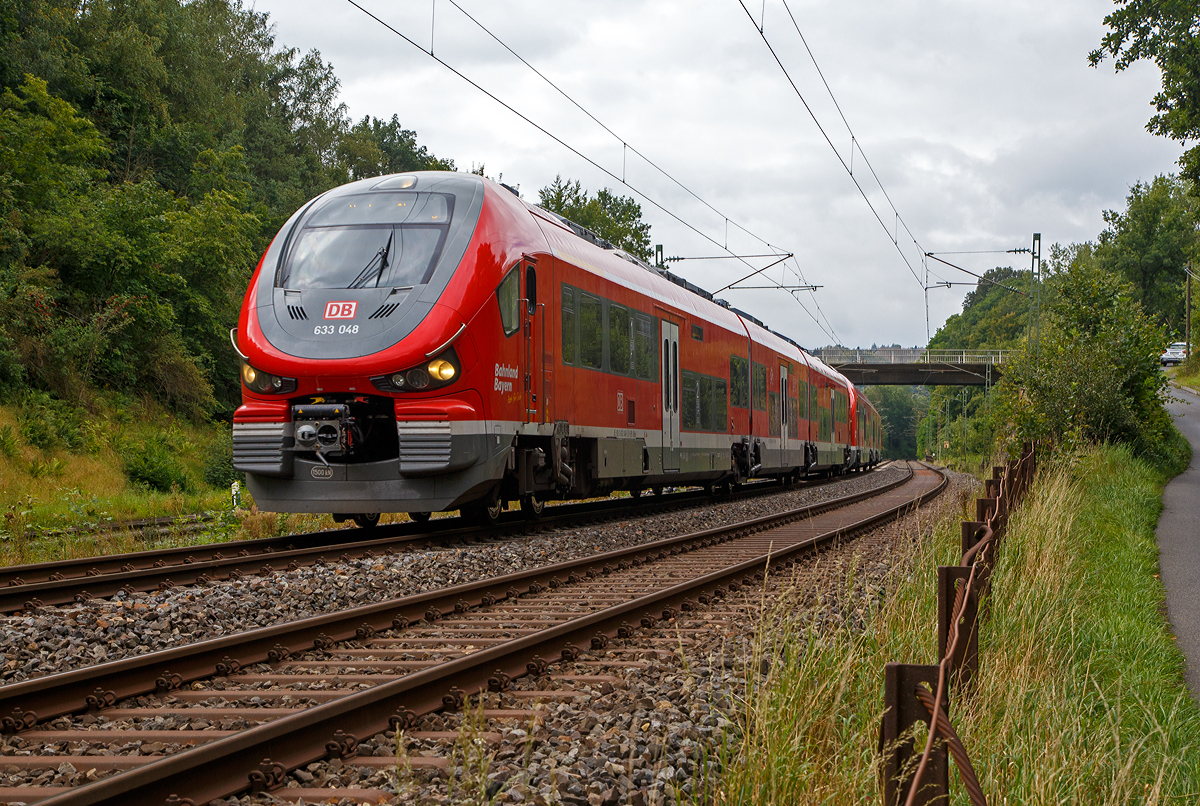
[{"x": 1174, "y": 354}]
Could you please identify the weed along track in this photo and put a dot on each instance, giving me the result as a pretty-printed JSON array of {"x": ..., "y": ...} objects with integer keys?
[
  {"x": 256, "y": 710},
  {"x": 61, "y": 582}
]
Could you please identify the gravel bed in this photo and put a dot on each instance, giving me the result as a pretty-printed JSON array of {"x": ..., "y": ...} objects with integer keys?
[
  {"x": 56, "y": 639},
  {"x": 653, "y": 737}
]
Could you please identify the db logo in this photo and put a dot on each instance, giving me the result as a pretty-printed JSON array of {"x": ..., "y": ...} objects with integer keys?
[{"x": 340, "y": 310}]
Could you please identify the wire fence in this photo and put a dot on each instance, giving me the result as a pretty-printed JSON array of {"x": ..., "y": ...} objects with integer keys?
[
  {"x": 920, "y": 693},
  {"x": 835, "y": 357}
]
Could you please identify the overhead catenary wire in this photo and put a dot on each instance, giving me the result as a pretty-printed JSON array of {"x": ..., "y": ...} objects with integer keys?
[
  {"x": 751, "y": 274},
  {"x": 625, "y": 147},
  {"x": 893, "y": 236},
  {"x": 574, "y": 150},
  {"x": 973, "y": 274},
  {"x": 983, "y": 252},
  {"x": 624, "y": 143}
]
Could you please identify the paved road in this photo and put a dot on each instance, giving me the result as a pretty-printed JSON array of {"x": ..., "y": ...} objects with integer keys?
[{"x": 1179, "y": 541}]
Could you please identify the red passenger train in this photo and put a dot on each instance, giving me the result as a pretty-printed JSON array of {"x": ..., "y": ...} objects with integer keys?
[{"x": 428, "y": 341}]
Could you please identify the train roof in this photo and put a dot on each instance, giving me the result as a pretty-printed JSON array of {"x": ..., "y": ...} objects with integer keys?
[
  {"x": 592, "y": 253},
  {"x": 659, "y": 273},
  {"x": 603, "y": 259}
]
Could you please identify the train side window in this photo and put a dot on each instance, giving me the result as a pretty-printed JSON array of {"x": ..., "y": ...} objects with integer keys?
[
  {"x": 666, "y": 381},
  {"x": 619, "y": 346},
  {"x": 760, "y": 387},
  {"x": 569, "y": 336},
  {"x": 644, "y": 347},
  {"x": 720, "y": 418},
  {"x": 706, "y": 395},
  {"x": 691, "y": 406},
  {"x": 591, "y": 332},
  {"x": 793, "y": 416},
  {"x": 530, "y": 288},
  {"x": 697, "y": 333},
  {"x": 739, "y": 382},
  {"x": 508, "y": 295},
  {"x": 675, "y": 376},
  {"x": 773, "y": 417}
]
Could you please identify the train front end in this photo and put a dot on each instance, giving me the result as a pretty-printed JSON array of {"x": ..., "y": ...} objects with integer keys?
[{"x": 358, "y": 356}]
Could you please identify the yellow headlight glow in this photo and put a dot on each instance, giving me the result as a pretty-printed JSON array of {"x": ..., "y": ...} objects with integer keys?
[
  {"x": 441, "y": 370},
  {"x": 249, "y": 374}
]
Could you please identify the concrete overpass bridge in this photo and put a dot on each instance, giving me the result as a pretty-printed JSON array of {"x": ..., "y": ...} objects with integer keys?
[{"x": 917, "y": 366}]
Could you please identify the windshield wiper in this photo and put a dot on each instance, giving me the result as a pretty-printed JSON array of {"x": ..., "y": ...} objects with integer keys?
[{"x": 382, "y": 257}]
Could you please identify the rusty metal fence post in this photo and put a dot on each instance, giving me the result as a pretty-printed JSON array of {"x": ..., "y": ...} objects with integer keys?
[
  {"x": 915, "y": 693},
  {"x": 903, "y": 709},
  {"x": 964, "y": 661}
]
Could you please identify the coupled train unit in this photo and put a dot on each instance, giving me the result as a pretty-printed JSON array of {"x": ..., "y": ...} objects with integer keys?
[{"x": 427, "y": 342}]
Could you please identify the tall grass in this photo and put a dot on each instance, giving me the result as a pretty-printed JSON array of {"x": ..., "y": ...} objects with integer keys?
[{"x": 1080, "y": 696}]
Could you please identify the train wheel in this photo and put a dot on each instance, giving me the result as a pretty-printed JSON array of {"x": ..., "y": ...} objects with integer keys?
[
  {"x": 367, "y": 520},
  {"x": 485, "y": 512},
  {"x": 419, "y": 517},
  {"x": 636, "y": 492},
  {"x": 658, "y": 490},
  {"x": 532, "y": 507}
]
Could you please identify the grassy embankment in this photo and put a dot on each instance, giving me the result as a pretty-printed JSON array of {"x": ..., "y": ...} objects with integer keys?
[
  {"x": 1080, "y": 697},
  {"x": 1187, "y": 375},
  {"x": 64, "y": 468}
]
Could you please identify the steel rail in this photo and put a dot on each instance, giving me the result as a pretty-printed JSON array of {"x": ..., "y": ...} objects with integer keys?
[
  {"x": 43, "y": 698},
  {"x": 66, "y": 581},
  {"x": 264, "y": 753}
]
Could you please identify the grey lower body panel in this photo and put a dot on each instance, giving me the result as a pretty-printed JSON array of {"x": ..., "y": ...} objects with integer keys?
[{"x": 380, "y": 486}]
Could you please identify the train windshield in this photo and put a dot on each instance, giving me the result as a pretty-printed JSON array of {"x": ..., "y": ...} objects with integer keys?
[{"x": 369, "y": 240}]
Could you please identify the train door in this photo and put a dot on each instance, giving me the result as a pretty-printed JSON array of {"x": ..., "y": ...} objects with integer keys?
[
  {"x": 670, "y": 395},
  {"x": 534, "y": 334},
  {"x": 784, "y": 454}
]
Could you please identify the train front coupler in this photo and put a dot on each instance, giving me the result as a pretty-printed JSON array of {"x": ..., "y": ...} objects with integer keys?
[{"x": 325, "y": 429}]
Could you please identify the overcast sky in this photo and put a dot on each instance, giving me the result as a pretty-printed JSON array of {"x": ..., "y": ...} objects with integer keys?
[{"x": 983, "y": 121}]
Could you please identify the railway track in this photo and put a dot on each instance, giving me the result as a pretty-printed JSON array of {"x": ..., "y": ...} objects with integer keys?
[
  {"x": 163, "y": 728},
  {"x": 65, "y": 581}
]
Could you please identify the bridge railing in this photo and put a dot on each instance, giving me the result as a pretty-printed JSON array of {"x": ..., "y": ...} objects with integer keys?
[{"x": 839, "y": 357}]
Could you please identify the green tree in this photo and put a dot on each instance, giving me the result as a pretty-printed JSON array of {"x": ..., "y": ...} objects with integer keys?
[
  {"x": 1150, "y": 243},
  {"x": 616, "y": 219},
  {"x": 149, "y": 151},
  {"x": 992, "y": 317},
  {"x": 901, "y": 409},
  {"x": 373, "y": 147},
  {"x": 1166, "y": 32},
  {"x": 1096, "y": 376}
]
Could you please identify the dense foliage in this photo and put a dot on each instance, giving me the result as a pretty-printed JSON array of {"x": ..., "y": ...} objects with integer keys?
[
  {"x": 149, "y": 149},
  {"x": 1150, "y": 243},
  {"x": 901, "y": 409},
  {"x": 1095, "y": 375},
  {"x": 617, "y": 219},
  {"x": 1166, "y": 32},
  {"x": 992, "y": 317}
]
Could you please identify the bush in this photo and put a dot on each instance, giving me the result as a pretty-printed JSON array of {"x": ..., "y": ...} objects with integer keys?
[
  {"x": 1096, "y": 376},
  {"x": 152, "y": 464},
  {"x": 48, "y": 423},
  {"x": 218, "y": 461}
]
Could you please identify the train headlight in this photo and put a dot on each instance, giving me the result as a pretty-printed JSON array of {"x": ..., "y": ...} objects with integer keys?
[
  {"x": 440, "y": 371},
  {"x": 264, "y": 383}
]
